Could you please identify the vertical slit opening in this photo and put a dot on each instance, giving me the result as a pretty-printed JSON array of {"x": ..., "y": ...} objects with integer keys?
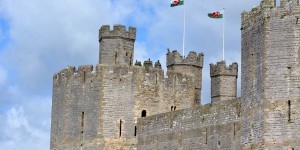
[
  {"x": 116, "y": 56},
  {"x": 205, "y": 135},
  {"x": 155, "y": 79},
  {"x": 120, "y": 133},
  {"x": 289, "y": 71},
  {"x": 171, "y": 108},
  {"x": 234, "y": 129},
  {"x": 82, "y": 119},
  {"x": 174, "y": 108},
  {"x": 135, "y": 130},
  {"x": 82, "y": 125},
  {"x": 289, "y": 111},
  {"x": 83, "y": 76}
]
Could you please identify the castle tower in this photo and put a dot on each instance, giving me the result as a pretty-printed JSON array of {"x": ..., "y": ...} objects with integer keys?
[
  {"x": 192, "y": 64},
  {"x": 270, "y": 76},
  {"x": 223, "y": 81},
  {"x": 117, "y": 45}
]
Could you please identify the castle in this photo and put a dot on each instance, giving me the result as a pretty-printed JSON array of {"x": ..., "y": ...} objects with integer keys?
[{"x": 122, "y": 104}]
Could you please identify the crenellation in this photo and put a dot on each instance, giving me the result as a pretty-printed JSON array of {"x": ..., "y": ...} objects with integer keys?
[
  {"x": 138, "y": 63},
  {"x": 157, "y": 65},
  {"x": 148, "y": 64},
  {"x": 118, "y": 31},
  {"x": 175, "y": 58},
  {"x": 220, "y": 69}
]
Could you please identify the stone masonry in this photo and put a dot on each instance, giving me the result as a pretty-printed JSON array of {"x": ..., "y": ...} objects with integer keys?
[
  {"x": 98, "y": 108},
  {"x": 120, "y": 104}
]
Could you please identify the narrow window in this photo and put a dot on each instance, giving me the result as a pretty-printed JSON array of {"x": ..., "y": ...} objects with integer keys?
[
  {"x": 174, "y": 108},
  {"x": 155, "y": 79},
  {"x": 171, "y": 108},
  {"x": 289, "y": 71},
  {"x": 144, "y": 113},
  {"x": 289, "y": 111},
  {"x": 82, "y": 119},
  {"x": 120, "y": 134},
  {"x": 82, "y": 125},
  {"x": 206, "y": 136},
  {"x": 130, "y": 59},
  {"x": 234, "y": 129},
  {"x": 135, "y": 131},
  {"x": 219, "y": 143},
  {"x": 116, "y": 56},
  {"x": 83, "y": 76}
]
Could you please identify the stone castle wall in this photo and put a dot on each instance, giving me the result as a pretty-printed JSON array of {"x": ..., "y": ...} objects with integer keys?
[
  {"x": 93, "y": 109},
  {"x": 105, "y": 108},
  {"x": 270, "y": 84},
  {"x": 210, "y": 126}
]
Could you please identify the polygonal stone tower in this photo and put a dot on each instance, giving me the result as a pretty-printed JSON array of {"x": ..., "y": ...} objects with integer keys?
[
  {"x": 117, "y": 45},
  {"x": 270, "y": 76},
  {"x": 223, "y": 81},
  {"x": 192, "y": 64}
]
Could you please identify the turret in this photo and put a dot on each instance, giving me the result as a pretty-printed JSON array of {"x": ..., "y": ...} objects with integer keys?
[
  {"x": 223, "y": 81},
  {"x": 117, "y": 45},
  {"x": 193, "y": 64}
]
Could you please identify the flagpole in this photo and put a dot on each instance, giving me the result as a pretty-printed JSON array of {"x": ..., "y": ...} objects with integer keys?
[
  {"x": 223, "y": 31},
  {"x": 183, "y": 39}
]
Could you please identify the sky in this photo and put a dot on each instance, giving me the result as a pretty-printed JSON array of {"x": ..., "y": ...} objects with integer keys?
[{"x": 39, "y": 38}]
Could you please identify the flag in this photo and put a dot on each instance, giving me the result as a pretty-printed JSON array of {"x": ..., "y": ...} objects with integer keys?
[
  {"x": 177, "y": 3},
  {"x": 215, "y": 15}
]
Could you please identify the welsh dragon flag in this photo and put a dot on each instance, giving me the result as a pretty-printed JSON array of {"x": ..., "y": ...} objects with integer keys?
[
  {"x": 177, "y": 3},
  {"x": 215, "y": 15}
]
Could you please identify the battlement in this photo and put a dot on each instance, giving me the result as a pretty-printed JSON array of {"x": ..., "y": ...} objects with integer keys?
[
  {"x": 86, "y": 71},
  {"x": 157, "y": 64},
  {"x": 148, "y": 64},
  {"x": 175, "y": 58},
  {"x": 220, "y": 69},
  {"x": 268, "y": 9},
  {"x": 118, "y": 31}
]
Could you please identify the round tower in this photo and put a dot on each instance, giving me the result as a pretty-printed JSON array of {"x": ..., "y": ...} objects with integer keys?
[
  {"x": 192, "y": 64},
  {"x": 223, "y": 81},
  {"x": 117, "y": 45}
]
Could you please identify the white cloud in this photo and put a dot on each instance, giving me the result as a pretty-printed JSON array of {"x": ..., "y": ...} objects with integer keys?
[
  {"x": 140, "y": 53},
  {"x": 18, "y": 134}
]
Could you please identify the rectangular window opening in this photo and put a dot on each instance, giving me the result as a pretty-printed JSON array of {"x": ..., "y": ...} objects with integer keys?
[
  {"x": 83, "y": 76},
  {"x": 234, "y": 129},
  {"x": 289, "y": 111},
  {"x": 289, "y": 71},
  {"x": 82, "y": 119},
  {"x": 135, "y": 129},
  {"x": 120, "y": 134},
  {"x": 156, "y": 79},
  {"x": 206, "y": 136}
]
